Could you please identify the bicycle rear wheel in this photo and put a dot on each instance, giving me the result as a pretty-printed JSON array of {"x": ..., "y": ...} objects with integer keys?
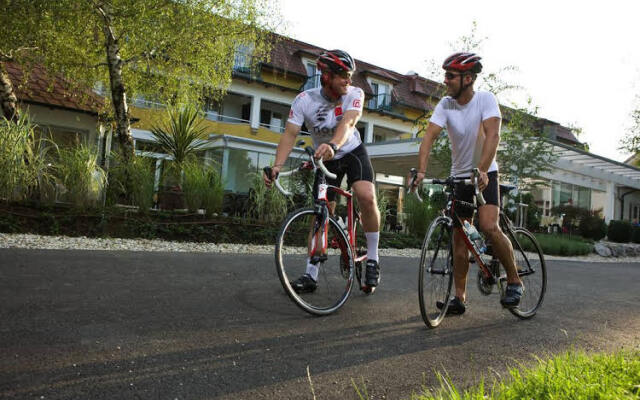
[
  {"x": 335, "y": 274},
  {"x": 436, "y": 271},
  {"x": 532, "y": 271}
]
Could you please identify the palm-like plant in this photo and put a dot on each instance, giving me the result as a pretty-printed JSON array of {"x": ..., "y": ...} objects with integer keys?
[{"x": 181, "y": 136}]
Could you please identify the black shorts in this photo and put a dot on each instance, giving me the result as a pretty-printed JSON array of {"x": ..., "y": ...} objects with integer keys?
[
  {"x": 355, "y": 164},
  {"x": 491, "y": 194}
]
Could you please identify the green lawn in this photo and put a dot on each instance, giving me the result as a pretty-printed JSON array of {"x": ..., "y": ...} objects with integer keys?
[{"x": 573, "y": 375}]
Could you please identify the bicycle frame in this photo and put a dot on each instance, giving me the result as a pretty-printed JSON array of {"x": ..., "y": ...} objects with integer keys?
[{"x": 321, "y": 237}]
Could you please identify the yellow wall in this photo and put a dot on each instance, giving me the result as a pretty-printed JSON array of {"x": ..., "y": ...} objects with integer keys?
[
  {"x": 150, "y": 117},
  {"x": 281, "y": 79}
]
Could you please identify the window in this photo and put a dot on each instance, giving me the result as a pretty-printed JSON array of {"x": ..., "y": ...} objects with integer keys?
[
  {"x": 242, "y": 59},
  {"x": 382, "y": 96},
  {"x": 313, "y": 76},
  {"x": 564, "y": 194}
]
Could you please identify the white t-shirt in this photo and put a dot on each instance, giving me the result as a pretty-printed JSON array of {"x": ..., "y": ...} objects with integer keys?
[
  {"x": 322, "y": 116},
  {"x": 464, "y": 126}
]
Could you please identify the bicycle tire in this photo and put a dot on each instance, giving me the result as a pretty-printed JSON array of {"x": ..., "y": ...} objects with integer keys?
[
  {"x": 334, "y": 281},
  {"x": 532, "y": 270},
  {"x": 436, "y": 271}
]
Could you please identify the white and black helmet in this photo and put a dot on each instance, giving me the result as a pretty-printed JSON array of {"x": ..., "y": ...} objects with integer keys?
[{"x": 336, "y": 61}]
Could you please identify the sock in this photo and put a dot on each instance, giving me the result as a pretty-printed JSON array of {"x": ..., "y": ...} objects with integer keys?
[
  {"x": 372, "y": 245},
  {"x": 312, "y": 270}
]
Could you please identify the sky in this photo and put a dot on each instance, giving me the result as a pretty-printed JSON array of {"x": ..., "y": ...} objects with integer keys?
[{"x": 579, "y": 61}]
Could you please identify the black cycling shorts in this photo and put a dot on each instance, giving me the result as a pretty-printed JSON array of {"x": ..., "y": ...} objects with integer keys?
[
  {"x": 355, "y": 164},
  {"x": 466, "y": 192}
]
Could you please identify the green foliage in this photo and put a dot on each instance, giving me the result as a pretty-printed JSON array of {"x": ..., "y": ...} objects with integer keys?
[
  {"x": 77, "y": 169},
  {"x": 593, "y": 226},
  {"x": 25, "y": 169},
  {"x": 524, "y": 154},
  {"x": 141, "y": 172},
  {"x": 571, "y": 375},
  {"x": 383, "y": 207},
  {"x": 267, "y": 205},
  {"x": 631, "y": 140},
  {"x": 558, "y": 245},
  {"x": 419, "y": 215},
  {"x": 572, "y": 214},
  {"x": 181, "y": 136},
  {"x": 203, "y": 187},
  {"x": 635, "y": 233},
  {"x": 619, "y": 231}
]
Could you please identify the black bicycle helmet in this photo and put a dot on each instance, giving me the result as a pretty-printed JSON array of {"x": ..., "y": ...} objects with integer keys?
[
  {"x": 463, "y": 62},
  {"x": 336, "y": 61}
]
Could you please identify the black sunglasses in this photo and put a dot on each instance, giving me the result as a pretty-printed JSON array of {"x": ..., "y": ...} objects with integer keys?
[{"x": 451, "y": 75}]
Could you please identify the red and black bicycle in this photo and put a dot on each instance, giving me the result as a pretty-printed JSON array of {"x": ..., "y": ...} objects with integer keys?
[
  {"x": 312, "y": 234},
  {"x": 436, "y": 261}
]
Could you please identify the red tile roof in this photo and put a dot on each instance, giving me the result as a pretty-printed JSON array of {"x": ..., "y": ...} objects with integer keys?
[
  {"x": 408, "y": 90},
  {"x": 40, "y": 88}
]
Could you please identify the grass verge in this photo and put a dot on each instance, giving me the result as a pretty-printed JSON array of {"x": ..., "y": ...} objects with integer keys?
[
  {"x": 572, "y": 375},
  {"x": 557, "y": 245}
]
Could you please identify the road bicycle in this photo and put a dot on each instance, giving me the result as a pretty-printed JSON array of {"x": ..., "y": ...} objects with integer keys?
[
  {"x": 312, "y": 233},
  {"x": 436, "y": 261}
]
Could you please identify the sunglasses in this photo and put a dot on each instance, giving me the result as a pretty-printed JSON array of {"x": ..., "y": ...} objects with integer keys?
[{"x": 451, "y": 75}]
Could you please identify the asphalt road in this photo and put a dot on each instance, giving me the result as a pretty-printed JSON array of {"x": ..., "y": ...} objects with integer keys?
[{"x": 139, "y": 325}]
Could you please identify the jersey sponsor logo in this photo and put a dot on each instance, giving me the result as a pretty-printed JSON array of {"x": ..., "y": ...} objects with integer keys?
[
  {"x": 356, "y": 103},
  {"x": 338, "y": 111},
  {"x": 291, "y": 113}
]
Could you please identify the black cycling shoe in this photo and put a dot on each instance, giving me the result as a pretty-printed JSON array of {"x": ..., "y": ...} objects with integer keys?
[
  {"x": 372, "y": 275},
  {"x": 512, "y": 295},
  {"x": 456, "y": 306},
  {"x": 304, "y": 284}
]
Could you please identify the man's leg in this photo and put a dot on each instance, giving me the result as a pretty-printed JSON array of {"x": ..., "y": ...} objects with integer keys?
[
  {"x": 460, "y": 265},
  {"x": 366, "y": 195},
  {"x": 501, "y": 245},
  {"x": 502, "y": 249}
]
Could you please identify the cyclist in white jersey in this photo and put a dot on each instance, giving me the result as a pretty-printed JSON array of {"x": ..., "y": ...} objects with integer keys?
[
  {"x": 330, "y": 113},
  {"x": 472, "y": 119}
]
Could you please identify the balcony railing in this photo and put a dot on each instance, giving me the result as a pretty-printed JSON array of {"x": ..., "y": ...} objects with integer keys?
[{"x": 382, "y": 101}]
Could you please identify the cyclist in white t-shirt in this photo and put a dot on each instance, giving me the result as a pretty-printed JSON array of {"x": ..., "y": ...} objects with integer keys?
[
  {"x": 330, "y": 113},
  {"x": 472, "y": 119}
]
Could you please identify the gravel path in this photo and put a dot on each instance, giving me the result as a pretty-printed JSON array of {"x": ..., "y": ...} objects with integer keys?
[{"x": 29, "y": 241}]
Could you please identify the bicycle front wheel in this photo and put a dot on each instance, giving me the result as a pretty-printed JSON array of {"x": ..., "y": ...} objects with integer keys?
[
  {"x": 532, "y": 271},
  {"x": 436, "y": 272},
  {"x": 335, "y": 274}
]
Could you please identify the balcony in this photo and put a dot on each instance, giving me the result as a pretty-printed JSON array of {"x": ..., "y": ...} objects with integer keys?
[{"x": 380, "y": 102}]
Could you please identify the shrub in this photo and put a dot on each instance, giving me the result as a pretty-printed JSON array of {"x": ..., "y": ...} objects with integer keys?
[
  {"x": 635, "y": 234},
  {"x": 619, "y": 231},
  {"x": 141, "y": 172},
  {"x": 593, "y": 227},
  {"x": 77, "y": 169},
  {"x": 563, "y": 245},
  {"x": 419, "y": 215},
  {"x": 25, "y": 169},
  {"x": 267, "y": 205},
  {"x": 202, "y": 187}
]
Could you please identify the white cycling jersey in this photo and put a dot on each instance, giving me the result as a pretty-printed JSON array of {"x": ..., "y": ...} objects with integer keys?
[
  {"x": 464, "y": 126},
  {"x": 321, "y": 116}
]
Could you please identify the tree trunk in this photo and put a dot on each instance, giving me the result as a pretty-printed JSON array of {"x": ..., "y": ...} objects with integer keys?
[
  {"x": 118, "y": 91},
  {"x": 8, "y": 97}
]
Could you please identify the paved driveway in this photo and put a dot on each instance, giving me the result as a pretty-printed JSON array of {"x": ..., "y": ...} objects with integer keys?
[{"x": 139, "y": 325}]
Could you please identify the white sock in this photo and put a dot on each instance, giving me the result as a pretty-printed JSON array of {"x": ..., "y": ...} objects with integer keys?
[
  {"x": 372, "y": 245},
  {"x": 312, "y": 270}
]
